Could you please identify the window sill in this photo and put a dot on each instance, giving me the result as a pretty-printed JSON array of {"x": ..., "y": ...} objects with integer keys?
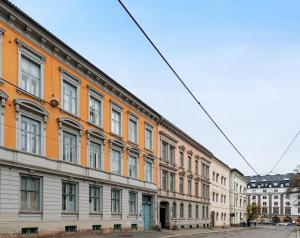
[
  {"x": 134, "y": 144},
  {"x": 69, "y": 213},
  {"x": 96, "y": 214},
  {"x": 30, "y": 212},
  {"x": 150, "y": 151},
  {"x": 22, "y": 91},
  {"x": 97, "y": 126},
  {"x": 116, "y": 135}
]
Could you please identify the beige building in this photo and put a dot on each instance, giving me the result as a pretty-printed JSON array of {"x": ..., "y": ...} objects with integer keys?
[
  {"x": 238, "y": 197},
  {"x": 219, "y": 194},
  {"x": 183, "y": 175}
]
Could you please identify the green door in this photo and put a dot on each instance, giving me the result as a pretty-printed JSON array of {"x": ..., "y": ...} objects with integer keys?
[{"x": 147, "y": 207}]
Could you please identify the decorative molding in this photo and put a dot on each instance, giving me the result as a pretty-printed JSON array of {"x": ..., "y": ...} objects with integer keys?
[
  {"x": 96, "y": 133},
  {"x": 69, "y": 122},
  {"x": 190, "y": 152},
  {"x": 32, "y": 51},
  {"x": 31, "y": 106},
  {"x": 182, "y": 148}
]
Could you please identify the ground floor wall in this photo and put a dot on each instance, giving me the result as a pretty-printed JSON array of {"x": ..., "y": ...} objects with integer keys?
[
  {"x": 237, "y": 215},
  {"x": 220, "y": 216},
  {"x": 179, "y": 214},
  {"x": 17, "y": 214}
]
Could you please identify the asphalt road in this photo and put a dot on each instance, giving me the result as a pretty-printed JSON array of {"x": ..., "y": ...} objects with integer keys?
[{"x": 264, "y": 232}]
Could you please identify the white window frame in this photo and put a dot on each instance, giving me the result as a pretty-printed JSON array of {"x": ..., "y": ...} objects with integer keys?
[
  {"x": 119, "y": 109},
  {"x": 1, "y": 56},
  {"x": 134, "y": 119},
  {"x": 100, "y": 199},
  {"x": 136, "y": 168},
  {"x": 120, "y": 202},
  {"x": 30, "y": 109},
  {"x": 136, "y": 202},
  {"x": 3, "y": 98},
  {"x": 150, "y": 161},
  {"x": 28, "y": 52},
  {"x": 95, "y": 136},
  {"x": 99, "y": 97},
  {"x": 118, "y": 146},
  {"x": 40, "y": 194},
  {"x": 71, "y": 126},
  {"x": 150, "y": 128},
  {"x": 76, "y": 196},
  {"x": 69, "y": 78}
]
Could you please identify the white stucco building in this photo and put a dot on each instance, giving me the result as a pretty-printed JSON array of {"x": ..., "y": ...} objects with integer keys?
[
  {"x": 219, "y": 194},
  {"x": 238, "y": 197}
]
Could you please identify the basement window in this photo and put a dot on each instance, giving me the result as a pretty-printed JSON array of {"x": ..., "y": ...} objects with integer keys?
[
  {"x": 96, "y": 227},
  {"x": 117, "y": 227},
  {"x": 70, "y": 228},
  {"x": 29, "y": 230}
]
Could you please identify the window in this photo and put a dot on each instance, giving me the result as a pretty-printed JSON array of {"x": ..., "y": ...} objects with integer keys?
[
  {"x": 70, "y": 97},
  {"x": 264, "y": 190},
  {"x": 181, "y": 159},
  {"x": 287, "y": 211},
  {"x": 172, "y": 182},
  {"x": 264, "y": 197},
  {"x": 148, "y": 137},
  {"x": 205, "y": 171},
  {"x": 172, "y": 155},
  {"x": 190, "y": 163},
  {"x": 196, "y": 189},
  {"x": 30, "y": 135},
  {"x": 224, "y": 184},
  {"x": 31, "y": 70},
  {"x": 132, "y": 129},
  {"x": 148, "y": 171},
  {"x": 276, "y": 210},
  {"x": 276, "y": 197},
  {"x": 115, "y": 201},
  {"x": 254, "y": 197},
  {"x": 95, "y": 108},
  {"x": 30, "y": 193},
  {"x": 190, "y": 211},
  {"x": 174, "y": 210},
  {"x": 275, "y": 203},
  {"x": 95, "y": 199},
  {"x": 116, "y": 124},
  {"x": 287, "y": 196},
  {"x": 132, "y": 165},
  {"x": 197, "y": 211},
  {"x": 164, "y": 180},
  {"x": 214, "y": 194},
  {"x": 95, "y": 155},
  {"x": 69, "y": 147},
  {"x": 181, "y": 210},
  {"x": 189, "y": 187},
  {"x": 70, "y": 132},
  {"x": 164, "y": 151},
  {"x": 1, "y": 60},
  {"x": 196, "y": 166},
  {"x": 132, "y": 202},
  {"x": 181, "y": 185},
  {"x": 69, "y": 197},
  {"x": 224, "y": 198},
  {"x": 3, "y": 97},
  {"x": 115, "y": 161},
  {"x": 214, "y": 175}
]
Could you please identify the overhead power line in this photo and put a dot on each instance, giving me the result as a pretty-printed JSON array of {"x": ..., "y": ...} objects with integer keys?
[
  {"x": 284, "y": 152},
  {"x": 185, "y": 86}
]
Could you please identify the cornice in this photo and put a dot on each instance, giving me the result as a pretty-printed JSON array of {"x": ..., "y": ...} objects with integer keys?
[{"x": 33, "y": 31}]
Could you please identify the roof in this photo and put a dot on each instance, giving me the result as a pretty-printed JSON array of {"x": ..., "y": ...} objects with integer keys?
[
  {"x": 238, "y": 172},
  {"x": 269, "y": 178}
]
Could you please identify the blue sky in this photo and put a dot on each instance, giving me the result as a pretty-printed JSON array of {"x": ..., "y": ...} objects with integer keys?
[{"x": 241, "y": 59}]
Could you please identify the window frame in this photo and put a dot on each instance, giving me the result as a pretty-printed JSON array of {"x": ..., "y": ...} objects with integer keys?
[
  {"x": 116, "y": 145},
  {"x": 1, "y": 56},
  {"x": 134, "y": 119},
  {"x": 181, "y": 185},
  {"x": 136, "y": 165},
  {"x": 149, "y": 161},
  {"x": 31, "y": 54},
  {"x": 30, "y": 109},
  {"x": 135, "y": 201},
  {"x": 181, "y": 210},
  {"x": 73, "y": 127},
  {"x": 149, "y": 128},
  {"x": 115, "y": 107},
  {"x": 3, "y": 98},
  {"x": 98, "y": 97},
  {"x": 67, "y": 197},
  {"x": 100, "y": 198},
  {"x": 119, "y": 200},
  {"x": 97, "y": 137},
  {"x": 40, "y": 193},
  {"x": 73, "y": 81}
]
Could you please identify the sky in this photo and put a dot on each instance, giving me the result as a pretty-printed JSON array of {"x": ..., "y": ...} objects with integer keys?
[{"x": 240, "y": 58}]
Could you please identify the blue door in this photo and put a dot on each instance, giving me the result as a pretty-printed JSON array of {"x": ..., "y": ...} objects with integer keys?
[{"x": 147, "y": 208}]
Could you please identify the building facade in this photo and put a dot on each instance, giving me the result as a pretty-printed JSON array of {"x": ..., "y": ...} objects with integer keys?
[
  {"x": 220, "y": 175},
  {"x": 238, "y": 197},
  {"x": 269, "y": 194},
  {"x": 78, "y": 151},
  {"x": 184, "y": 182}
]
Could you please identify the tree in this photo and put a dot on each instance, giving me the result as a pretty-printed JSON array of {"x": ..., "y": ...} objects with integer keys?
[
  {"x": 253, "y": 211},
  {"x": 294, "y": 189}
]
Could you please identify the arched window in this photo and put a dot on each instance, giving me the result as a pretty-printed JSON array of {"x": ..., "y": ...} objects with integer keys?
[
  {"x": 197, "y": 211},
  {"x": 217, "y": 216}
]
